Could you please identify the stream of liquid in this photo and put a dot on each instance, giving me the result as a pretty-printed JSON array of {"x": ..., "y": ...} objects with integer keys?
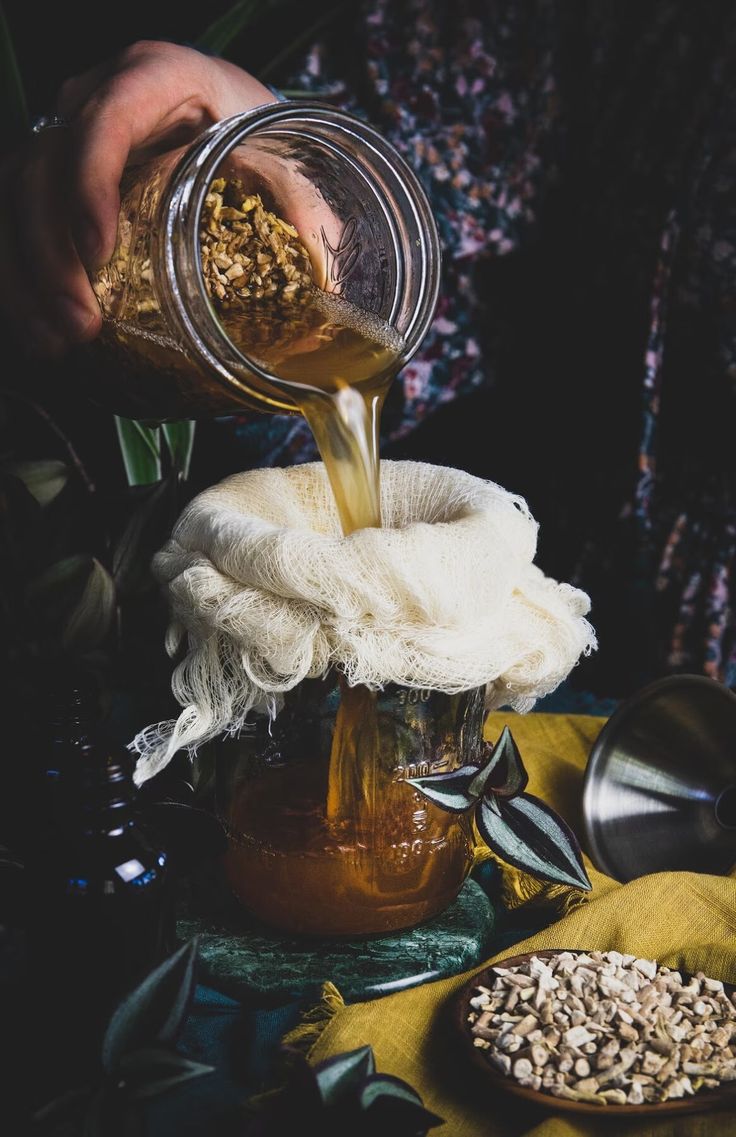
[
  {"x": 337, "y": 371},
  {"x": 333, "y": 864},
  {"x": 339, "y": 367}
]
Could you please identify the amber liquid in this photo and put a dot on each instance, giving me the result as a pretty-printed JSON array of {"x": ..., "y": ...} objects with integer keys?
[
  {"x": 336, "y": 370},
  {"x": 380, "y": 869},
  {"x": 351, "y": 852}
]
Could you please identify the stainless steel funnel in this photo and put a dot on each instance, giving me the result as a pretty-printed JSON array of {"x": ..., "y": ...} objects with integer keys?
[{"x": 660, "y": 784}]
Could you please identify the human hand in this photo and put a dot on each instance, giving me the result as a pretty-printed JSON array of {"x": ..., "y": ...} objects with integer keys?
[{"x": 60, "y": 191}]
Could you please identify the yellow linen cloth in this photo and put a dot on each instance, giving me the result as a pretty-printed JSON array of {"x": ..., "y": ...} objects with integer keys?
[{"x": 683, "y": 920}]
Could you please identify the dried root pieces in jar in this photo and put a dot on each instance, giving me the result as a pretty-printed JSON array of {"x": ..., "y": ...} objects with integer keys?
[
  {"x": 258, "y": 275},
  {"x": 248, "y": 253}
]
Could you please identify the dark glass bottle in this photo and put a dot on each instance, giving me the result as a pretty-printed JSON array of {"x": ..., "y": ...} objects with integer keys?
[
  {"x": 70, "y": 712},
  {"x": 101, "y": 905}
]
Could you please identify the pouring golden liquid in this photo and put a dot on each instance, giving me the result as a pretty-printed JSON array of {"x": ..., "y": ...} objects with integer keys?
[
  {"x": 307, "y": 855},
  {"x": 337, "y": 372}
]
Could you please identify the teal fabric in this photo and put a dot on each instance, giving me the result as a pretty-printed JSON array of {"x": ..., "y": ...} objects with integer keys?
[
  {"x": 242, "y": 1044},
  {"x": 242, "y": 1041}
]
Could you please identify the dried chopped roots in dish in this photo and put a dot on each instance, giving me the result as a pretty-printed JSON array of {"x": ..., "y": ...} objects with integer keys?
[{"x": 605, "y": 1028}]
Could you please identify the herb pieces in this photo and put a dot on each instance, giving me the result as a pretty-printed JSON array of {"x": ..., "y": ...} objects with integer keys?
[
  {"x": 605, "y": 1028},
  {"x": 249, "y": 253}
]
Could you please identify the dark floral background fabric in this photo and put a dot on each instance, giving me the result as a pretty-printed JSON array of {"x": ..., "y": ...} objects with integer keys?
[
  {"x": 468, "y": 97},
  {"x": 580, "y": 159}
]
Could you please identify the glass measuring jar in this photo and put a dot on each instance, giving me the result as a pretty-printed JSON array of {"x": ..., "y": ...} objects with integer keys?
[
  {"x": 394, "y": 859},
  {"x": 163, "y": 353}
]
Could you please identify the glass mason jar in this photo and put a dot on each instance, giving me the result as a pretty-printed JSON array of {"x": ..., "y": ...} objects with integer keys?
[
  {"x": 298, "y": 859},
  {"x": 358, "y": 208}
]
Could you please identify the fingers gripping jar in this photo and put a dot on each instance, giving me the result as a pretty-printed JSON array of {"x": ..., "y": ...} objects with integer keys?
[{"x": 359, "y": 211}]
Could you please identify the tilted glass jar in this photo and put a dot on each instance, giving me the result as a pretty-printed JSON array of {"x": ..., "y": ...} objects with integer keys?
[
  {"x": 358, "y": 208},
  {"x": 395, "y": 859}
]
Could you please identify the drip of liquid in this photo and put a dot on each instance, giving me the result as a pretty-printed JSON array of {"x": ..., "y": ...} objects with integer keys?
[{"x": 352, "y": 855}]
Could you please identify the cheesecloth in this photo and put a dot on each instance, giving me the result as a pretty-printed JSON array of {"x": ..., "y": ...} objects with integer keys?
[{"x": 264, "y": 591}]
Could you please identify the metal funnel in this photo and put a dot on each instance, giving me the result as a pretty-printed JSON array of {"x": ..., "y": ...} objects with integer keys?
[{"x": 660, "y": 784}]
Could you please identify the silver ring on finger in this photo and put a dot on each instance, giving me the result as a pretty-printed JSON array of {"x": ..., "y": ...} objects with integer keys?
[{"x": 48, "y": 122}]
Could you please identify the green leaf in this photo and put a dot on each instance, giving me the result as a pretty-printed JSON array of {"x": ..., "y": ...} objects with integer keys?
[
  {"x": 68, "y": 1102},
  {"x": 155, "y": 1011},
  {"x": 140, "y": 446},
  {"x": 505, "y": 770},
  {"x": 152, "y": 1071},
  {"x": 527, "y": 833},
  {"x": 303, "y": 40},
  {"x": 395, "y": 1107},
  {"x": 147, "y": 529},
  {"x": 72, "y": 603},
  {"x": 90, "y": 620},
  {"x": 13, "y": 108},
  {"x": 44, "y": 478},
  {"x": 341, "y": 1076},
  {"x": 179, "y": 437},
  {"x": 454, "y": 791},
  {"x": 71, "y": 571},
  {"x": 225, "y": 28},
  {"x": 23, "y": 547}
]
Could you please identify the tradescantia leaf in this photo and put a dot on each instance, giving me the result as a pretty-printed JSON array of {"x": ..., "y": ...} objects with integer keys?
[
  {"x": 226, "y": 27},
  {"x": 393, "y": 1105},
  {"x": 504, "y": 773},
  {"x": 154, "y": 513},
  {"x": 73, "y": 601},
  {"x": 153, "y": 1070},
  {"x": 452, "y": 791},
  {"x": 140, "y": 447},
  {"x": 384, "y": 1085},
  {"x": 63, "y": 575},
  {"x": 179, "y": 438},
  {"x": 528, "y": 834},
  {"x": 154, "y": 1012},
  {"x": 45, "y": 478},
  {"x": 89, "y": 622},
  {"x": 341, "y": 1097},
  {"x": 340, "y": 1077},
  {"x": 13, "y": 106},
  {"x": 301, "y": 42}
]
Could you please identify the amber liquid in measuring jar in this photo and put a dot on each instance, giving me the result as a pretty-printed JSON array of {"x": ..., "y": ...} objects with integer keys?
[{"x": 354, "y": 850}]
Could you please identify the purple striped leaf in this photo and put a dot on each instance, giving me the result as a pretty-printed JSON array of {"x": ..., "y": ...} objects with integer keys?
[
  {"x": 394, "y": 1107},
  {"x": 504, "y": 773},
  {"x": 528, "y": 834},
  {"x": 450, "y": 791},
  {"x": 344, "y": 1074}
]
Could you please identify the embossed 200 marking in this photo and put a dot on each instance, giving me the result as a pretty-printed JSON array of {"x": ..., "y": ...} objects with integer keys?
[{"x": 415, "y": 695}]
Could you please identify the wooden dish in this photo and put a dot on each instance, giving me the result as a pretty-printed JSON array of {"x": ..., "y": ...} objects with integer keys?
[{"x": 460, "y": 1008}]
